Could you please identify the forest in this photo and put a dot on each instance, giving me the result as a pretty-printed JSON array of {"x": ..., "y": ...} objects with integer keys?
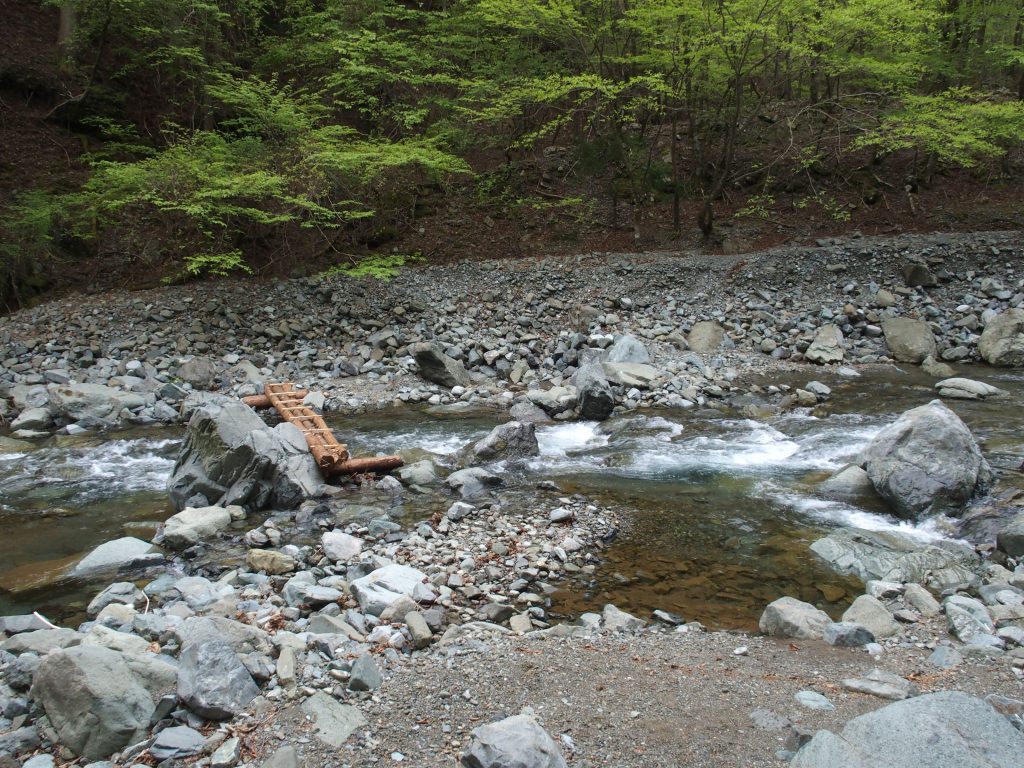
[{"x": 225, "y": 136}]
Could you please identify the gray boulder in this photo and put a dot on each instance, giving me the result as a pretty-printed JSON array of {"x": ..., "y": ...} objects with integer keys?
[
  {"x": 421, "y": 473},
  {"x": 967, "y": 618},
  {"x": 472, "y": 481},
  {"x": 939, "y": 730},
  {"x": 871, "y": 613},
  {"x": 827, "y": 346},
  {"x": 243, "y": 638},
  {"x": 382, "y": 587},
  {"x": 894, "y": 556},
  {"x": 213, "y": 682},
  {"x": 94, "y": 402},
  {"x": 595, "y": 399},
  {"x": 960, "y": 388},
  {"x": 340, "y": 547},
  {"x": 41, "y": 641},
  {"x": 789, "y": 617},
  {"x": 628, "y": 349},
  {"x": 33, "y": 419},
  {"x": 112, "y": 555},
  {"x": 1002, "y": 341},
  {"x": 515, "y": 742},
  {"x": 909, "y": 340},
  {"x": 437, "y": 367},
  {"x": 850, "y": 482},
  {"x": 1010, "y": 537},
  {"x": 200, "y": 372},
  {"x": 99, "y": 700},
  {"x": 513, "y": 440},
  {"x": 845, "y": 634},
  {"x": 926, "y": 462},
  {"x": 195, "y": 524},
  {"x": 231, "y": 456}
]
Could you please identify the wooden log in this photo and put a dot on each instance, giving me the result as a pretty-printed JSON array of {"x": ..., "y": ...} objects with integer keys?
[
  {"x": 263, "y": 401},
  {"x": 367, "y": 464}
]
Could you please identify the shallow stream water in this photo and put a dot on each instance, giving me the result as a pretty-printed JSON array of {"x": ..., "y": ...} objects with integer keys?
[{"x": 718, "y": 510}]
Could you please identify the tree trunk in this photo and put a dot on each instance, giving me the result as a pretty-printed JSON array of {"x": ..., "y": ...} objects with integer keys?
[{"x": 68, "y": 27}]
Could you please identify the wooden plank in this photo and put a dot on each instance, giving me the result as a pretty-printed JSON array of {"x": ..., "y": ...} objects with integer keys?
[{"x": 331, "y": 456}]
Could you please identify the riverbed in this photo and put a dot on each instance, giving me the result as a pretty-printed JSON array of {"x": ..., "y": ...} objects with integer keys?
[{"x": 718, "y": 504}]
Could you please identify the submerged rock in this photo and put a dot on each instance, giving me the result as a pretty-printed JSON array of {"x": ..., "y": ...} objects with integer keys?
[
  {"x": 899, "y": 557},
  {"x": 510, "y": 441},
  {"x": 927, "y": 461},
  {"x": 113, "y": 554}
]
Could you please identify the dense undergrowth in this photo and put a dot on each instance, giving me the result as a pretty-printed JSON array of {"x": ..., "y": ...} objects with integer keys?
[{"x": 224, "y": 135}]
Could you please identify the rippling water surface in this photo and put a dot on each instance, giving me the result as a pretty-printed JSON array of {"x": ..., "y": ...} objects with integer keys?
[{"x": 718, "y": 510}]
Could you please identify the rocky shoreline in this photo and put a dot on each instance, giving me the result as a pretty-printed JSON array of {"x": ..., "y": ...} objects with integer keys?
[{"x": 326, "y": 633}]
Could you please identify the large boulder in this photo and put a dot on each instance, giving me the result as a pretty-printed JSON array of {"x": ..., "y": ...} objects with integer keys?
[
  {"x": 99, "y": 700},
  {"x": 595, "y": 399},
  {"x": 789, "y": 617},
  {"x": 437, "y": 367},
  {"x": 512, "y": 440},
  {"x": 926, "y": 462},
  {"x": 515, "y": 742},
  {"x": 909, "y": 340},
  {"x": 231, "y": 456},
  {"x": 939, "y": 730},
  {"x": 899, "y": 557},
  {"x": 1002, "y": 341},
  {"x": 213, "y": 682}
]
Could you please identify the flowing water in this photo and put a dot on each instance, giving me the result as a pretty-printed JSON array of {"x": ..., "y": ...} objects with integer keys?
[{"x": 718, "y": 510}]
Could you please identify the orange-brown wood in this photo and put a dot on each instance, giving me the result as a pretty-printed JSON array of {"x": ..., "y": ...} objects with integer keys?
[
  {"x": 263, "y": 401},
  {"x": 330, "y": 455}
]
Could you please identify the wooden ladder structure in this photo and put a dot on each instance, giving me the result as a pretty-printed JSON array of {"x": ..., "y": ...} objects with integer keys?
[{"x": 331, "y": 456}]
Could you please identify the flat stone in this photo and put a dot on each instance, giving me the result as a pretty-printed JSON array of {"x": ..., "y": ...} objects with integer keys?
[
  {"x": 335, "y": 721},
  {"x": 813, "y": 700},
  {"x": 112, "y": 555},
  {"x": 883, "y": 684},
  {"x": 177, "y": 742}
]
